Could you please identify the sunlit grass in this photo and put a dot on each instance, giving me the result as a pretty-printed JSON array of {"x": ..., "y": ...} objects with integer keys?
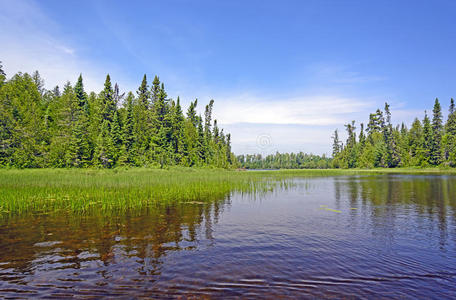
[
  {"x": 84, "y": 190},
  {"x": 42, "y": 190}
]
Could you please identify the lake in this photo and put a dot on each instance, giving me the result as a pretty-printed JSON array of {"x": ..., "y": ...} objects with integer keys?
[{"x": 358, "y": 236}]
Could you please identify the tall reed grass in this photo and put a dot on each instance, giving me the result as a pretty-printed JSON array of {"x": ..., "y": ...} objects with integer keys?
[{"x": 83, "y": 190}]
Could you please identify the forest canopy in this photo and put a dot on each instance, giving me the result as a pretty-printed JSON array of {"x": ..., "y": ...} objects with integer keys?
[
  {"x": 278, "y": 160},
  {"x": 427, "y": 143},
  {"x": 69, "y": 127}
]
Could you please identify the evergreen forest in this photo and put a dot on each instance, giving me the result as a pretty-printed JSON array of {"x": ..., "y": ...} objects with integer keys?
[
  {"x": 284, "y": 161},
  {"x": 69, "y": 127},
  {"x": 430, "y": 142}
]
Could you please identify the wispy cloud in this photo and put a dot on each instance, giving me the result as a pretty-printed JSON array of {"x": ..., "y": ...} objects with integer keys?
[
  {"x": 305, "y": 110},
  {"x": 300, "y": 123},
  {"x": 260, "y": 124},
  {"x": 343, "y": 75},
  {"x": 32, "y": 41}
]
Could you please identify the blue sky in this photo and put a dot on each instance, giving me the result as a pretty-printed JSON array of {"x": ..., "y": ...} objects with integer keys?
[{"x": 283, "y": 74}]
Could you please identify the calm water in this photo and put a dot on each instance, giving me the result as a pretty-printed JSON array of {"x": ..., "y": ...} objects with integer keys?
[{"x": 390, "y": 236}]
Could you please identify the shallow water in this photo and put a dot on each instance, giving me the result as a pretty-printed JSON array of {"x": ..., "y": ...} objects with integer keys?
[{"x": 389, "y": 236}]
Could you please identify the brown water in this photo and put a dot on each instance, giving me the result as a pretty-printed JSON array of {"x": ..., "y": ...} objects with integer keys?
[{"x": 390, "y": 236}]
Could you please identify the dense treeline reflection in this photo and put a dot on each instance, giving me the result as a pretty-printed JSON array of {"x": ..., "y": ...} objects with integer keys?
[
  {"x": 337, "y": 234},
  {"x": 391, "y": 197},
  {"x": 49, "y": 243},
  {"x": 427, "y": 192}
]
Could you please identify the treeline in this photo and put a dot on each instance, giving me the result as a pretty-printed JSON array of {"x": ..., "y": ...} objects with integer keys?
[
  {"x": 284, "y": 161},
  {"x": 70, "y": 128},
  {"x": 430, "y": 142}
]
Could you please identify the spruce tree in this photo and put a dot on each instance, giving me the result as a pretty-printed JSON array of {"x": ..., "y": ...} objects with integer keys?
[
  {"x": 141, "y": 123},
  {"x": 350, "y": 149},
  {"x": 143, "y": 94},
  {"x": 392, "y": 158},
  {"x": 362, "y": 137},
  {"x": 191, "y": 113},
  {"x": 427, "y": 141},
  {"x": 336, "y": 144},
  {"x": 81, "y": 135},
  {"x": 104, "y": 152},
  {"x": 40, "y": 128},
  {"x": 116, "y": 136},
  {"x": 437, "y": 131},
  {"x": 81, "y": 95},
  {"x": 128, "y": 130},
  {"x": 178, "y": 135},
  {"x": 228, "y": 148},
  {"x": 108, "y": 106},
  {"x": 450, "y": 136},
  {"x": 2, "y": 75}
]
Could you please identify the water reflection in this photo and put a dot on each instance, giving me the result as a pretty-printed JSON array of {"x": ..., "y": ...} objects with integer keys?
[
  {"x": 392, "y": 197},
  {"x": 51, "y": 249},
  {"x": 390, "y": 236}
]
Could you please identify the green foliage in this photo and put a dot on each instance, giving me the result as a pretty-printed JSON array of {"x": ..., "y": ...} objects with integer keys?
[
  {"x": 437, "y": 132},
  {"x": 425, "y": 144},
  {"x": 449, "y": 139},
  {"x": 284, "y": 161},
  {"x": 41, "y": 128}
]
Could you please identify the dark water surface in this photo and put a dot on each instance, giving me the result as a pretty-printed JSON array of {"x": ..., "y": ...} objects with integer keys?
[{"x": 387, "y": 236}]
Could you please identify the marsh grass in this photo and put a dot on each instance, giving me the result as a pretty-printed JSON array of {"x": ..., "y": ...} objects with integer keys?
[
  {"x": 88, "y": 190},
  {"x": 77, "y": 190}
]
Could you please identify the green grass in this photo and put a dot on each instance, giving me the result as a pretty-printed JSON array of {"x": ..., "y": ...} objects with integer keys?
[
  {"x": 83, "y": 190},
  {"x": 88, "y": 190}
]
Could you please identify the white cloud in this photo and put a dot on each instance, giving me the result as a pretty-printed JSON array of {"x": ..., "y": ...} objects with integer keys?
[
  {"x": 307, "y": 110},
  {"x": 302, "y": 123},
  {"x": 32, "y": 41},
  {"x": 251, "y": 138}
]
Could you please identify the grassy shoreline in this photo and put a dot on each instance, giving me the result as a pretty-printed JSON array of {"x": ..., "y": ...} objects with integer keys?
[{"x": 84, "y": 190}]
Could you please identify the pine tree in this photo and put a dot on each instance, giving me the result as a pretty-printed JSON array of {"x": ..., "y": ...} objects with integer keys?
[
  {"x": 427, "y": 141},
  {"x": 437, "y": 128},
  {"x": 228, "y": 149},
  {"x": 39, "y": 82},
  {"x": 81, "y": 95},
  {"x": 2, "y": 75},
  {"x": 116, "y": 136},
  {"x": 128, "y": 131},
  {"x": 141, "y": 123},
  {"x": 155, "y": 90},
  {"x": 362, "y": 137},
  {"x": 336, "y": 144},
  {"x": 64, "y": 146},
  {"x": 449, "y": 141},
  {"x": 202, "y": 145},
  {"x": 416, "y": 143},
  {"x": 81, "y": 135},
  {"x": 392, "y": 155},
  {"x": 178, "y": 135},
  {"x": 41, "y": 128},
  {"x": 104, "y": 151},
  {"x": 350, "y": 149},
  {"x": 143, "y": 94},
  {"x": 191, "y": 113},
  {"x": 108, "y": 106}
]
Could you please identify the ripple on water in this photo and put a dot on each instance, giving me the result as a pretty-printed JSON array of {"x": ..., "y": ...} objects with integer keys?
[{"x": 399, "y": 242}]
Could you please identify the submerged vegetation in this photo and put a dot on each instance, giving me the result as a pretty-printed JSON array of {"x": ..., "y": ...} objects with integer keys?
[{"x": 70, "y": 128}]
